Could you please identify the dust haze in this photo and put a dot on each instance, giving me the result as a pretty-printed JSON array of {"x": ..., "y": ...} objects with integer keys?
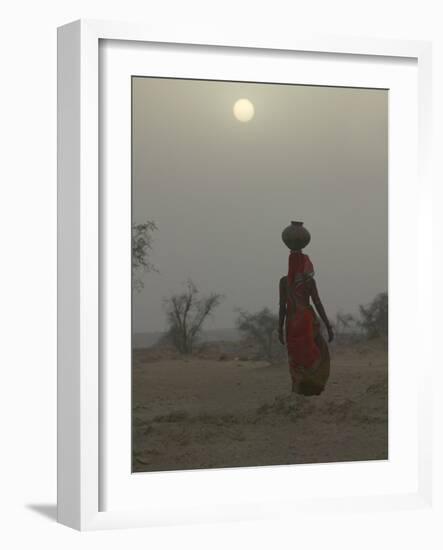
[{"x": 220, "y": 191}]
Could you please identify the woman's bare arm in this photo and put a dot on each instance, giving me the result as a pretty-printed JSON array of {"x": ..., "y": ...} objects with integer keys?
[
  {"x": 320, "y": 309},
  {"x": 282, "y": 309}
]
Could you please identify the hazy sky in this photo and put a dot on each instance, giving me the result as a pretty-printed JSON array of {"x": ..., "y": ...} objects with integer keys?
[{"x": 221, "y": 191}]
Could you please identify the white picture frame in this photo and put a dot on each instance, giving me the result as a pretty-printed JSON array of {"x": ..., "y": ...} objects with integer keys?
[{"x": 82, "y": 440}]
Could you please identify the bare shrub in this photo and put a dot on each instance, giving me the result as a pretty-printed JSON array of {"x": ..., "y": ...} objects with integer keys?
[
  {"x": 186, "y": 313},
  {"x": 262, "y": 328}
]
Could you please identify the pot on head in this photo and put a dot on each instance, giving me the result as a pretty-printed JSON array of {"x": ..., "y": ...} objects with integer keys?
[{"x": 295, "y": 236}]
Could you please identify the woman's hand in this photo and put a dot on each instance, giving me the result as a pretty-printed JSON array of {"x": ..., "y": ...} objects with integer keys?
[
  {"x": 330, "y": 333},
  {"x": 281, "y": 338}
]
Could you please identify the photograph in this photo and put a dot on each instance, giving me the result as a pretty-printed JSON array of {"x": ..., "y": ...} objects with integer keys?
[{"x": 259, "y": 240}]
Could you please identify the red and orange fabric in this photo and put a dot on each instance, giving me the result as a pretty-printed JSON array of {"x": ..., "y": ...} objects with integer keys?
[{"x": 303, "y": 352}]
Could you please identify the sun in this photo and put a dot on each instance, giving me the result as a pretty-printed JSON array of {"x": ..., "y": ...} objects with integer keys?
[{"x": 243, "y": 110}]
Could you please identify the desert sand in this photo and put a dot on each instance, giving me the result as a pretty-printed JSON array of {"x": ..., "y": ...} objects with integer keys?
[{"x": 203, "y": 412}]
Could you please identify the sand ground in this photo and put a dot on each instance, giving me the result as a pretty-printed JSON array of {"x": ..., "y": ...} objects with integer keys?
[{"x": 208, "y": 413}]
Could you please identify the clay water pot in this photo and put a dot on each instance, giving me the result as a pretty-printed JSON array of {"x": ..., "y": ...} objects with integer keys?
[{"x": 295, "y": 236}]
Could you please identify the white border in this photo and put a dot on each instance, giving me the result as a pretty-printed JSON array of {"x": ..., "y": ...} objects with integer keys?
[
  {"x": 184, "y": 490},
  {"x": 78, "y": 309}
]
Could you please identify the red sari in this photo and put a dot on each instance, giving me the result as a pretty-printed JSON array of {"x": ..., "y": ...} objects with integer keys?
[{"x": 303, "y": 351}]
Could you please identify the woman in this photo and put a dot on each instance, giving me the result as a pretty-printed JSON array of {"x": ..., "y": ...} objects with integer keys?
[{"x": 308, "y": 352}]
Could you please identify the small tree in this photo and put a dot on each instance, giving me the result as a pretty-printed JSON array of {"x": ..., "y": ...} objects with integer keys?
[
  {"x": 141, "y": 247},
  {"x": 374, "y": 317},
  {"x": 186, "y": 313},
  {"x": 345, "y": 323},
  {"x": 262, "y": 328}
]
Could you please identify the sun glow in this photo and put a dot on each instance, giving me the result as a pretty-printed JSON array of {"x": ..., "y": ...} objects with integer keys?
[{"x": 243, "y": 110}]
